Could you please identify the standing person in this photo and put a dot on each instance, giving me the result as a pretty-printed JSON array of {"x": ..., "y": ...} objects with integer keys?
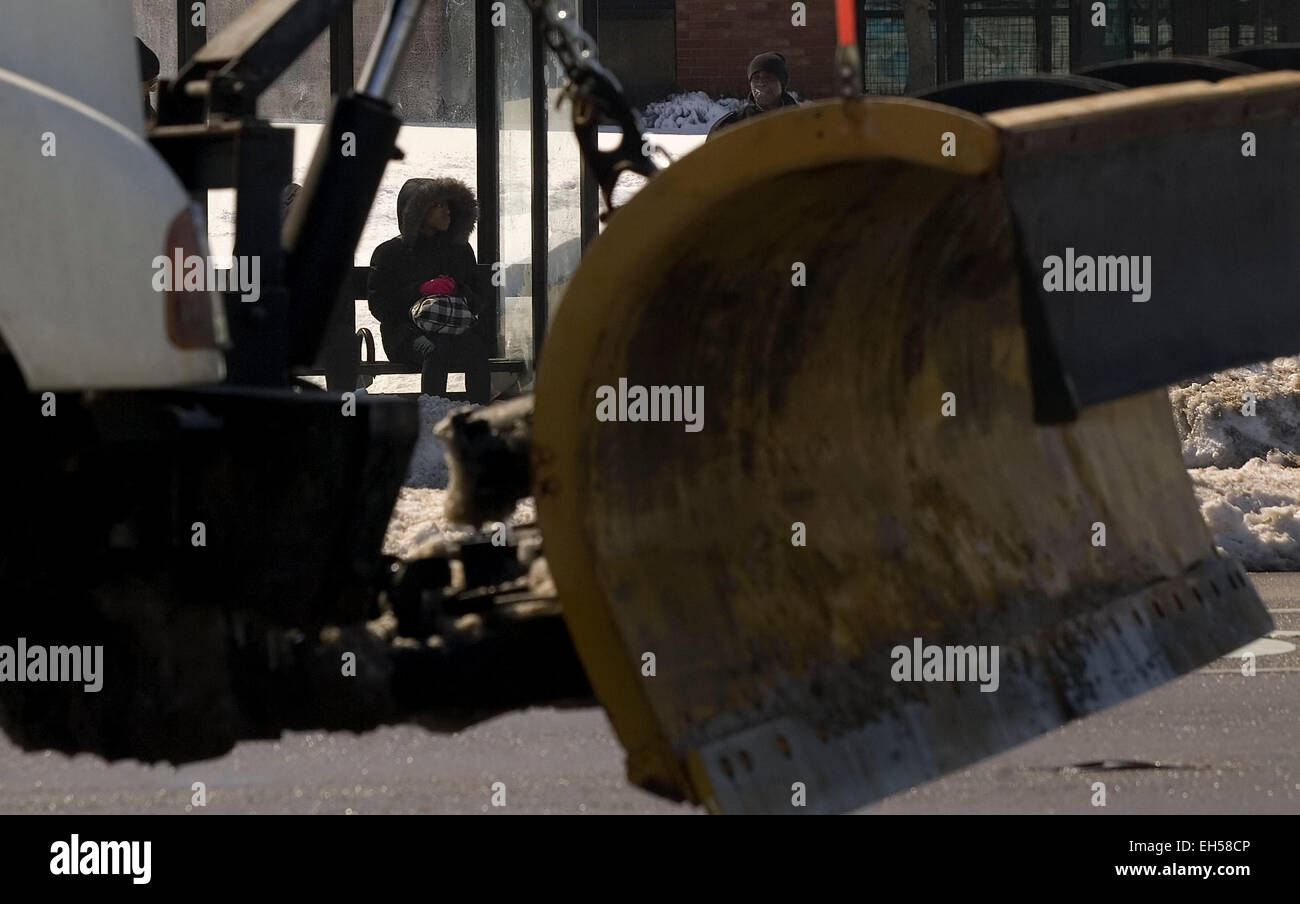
[
  {"x": 435, "y": 218},
  {"x": 149, "y": 69},
  {"x": 768, "y": 77}
]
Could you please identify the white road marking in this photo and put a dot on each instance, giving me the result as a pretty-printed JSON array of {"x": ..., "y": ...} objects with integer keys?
[{"x": 1264, "y": 646}]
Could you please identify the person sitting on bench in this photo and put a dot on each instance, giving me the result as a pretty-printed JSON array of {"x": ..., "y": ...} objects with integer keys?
[{"x": 435, "y": 218}]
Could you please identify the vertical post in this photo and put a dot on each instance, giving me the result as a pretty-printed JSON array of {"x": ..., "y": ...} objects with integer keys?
[
  {"x": 940, "y": 40},
  {"x": 1234, "y": 27},
  {"x": 952, "y": 55},
  {"x": 263, "y": 166},
  {"x": 1043, "y": 35},
  {"x": 342, "y": 75},
  {"x": 589, "y": 192},
  {"x": 1076, "y": 37},
  {"x": 1191, "y": 21},
  {"x": 487, "y": 115},
  {"x": 1087, "y": 42},
  {"x": 1288, "y": 22},
  {"x": 1129, "y": 41},
  {"x": 339, "y": 348},
  {"x": 189, "y": 37},
  {"x": 862, "y": 46},
  {"x": 541, "y": 237}
]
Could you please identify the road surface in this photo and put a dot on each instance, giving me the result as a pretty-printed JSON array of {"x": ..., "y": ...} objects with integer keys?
[{"x": 1223, "y": 743}]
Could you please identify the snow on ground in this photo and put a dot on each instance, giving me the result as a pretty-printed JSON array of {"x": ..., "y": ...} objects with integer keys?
[
  {"x": 419, "y": 517},
  {"x": 1246, "y": 469},
  {"x": 419, "y": 520},
  {"x": 428, "y": 468},
  {"x": 674, "y": 147}
]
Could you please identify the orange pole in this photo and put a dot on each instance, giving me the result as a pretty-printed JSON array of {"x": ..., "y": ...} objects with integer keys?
[{"x": 846, "y": 22}]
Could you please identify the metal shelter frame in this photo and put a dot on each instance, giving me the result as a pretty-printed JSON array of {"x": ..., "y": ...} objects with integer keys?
[{"x": 342, "y": 55}]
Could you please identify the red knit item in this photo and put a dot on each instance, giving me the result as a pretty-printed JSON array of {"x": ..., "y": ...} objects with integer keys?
[{"x": 443, "y": 285}]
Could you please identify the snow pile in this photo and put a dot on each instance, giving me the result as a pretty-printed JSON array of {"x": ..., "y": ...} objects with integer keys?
[
  {"x": 1245, "y": 469},
  {"x": 419, "y": 518},
  {"x": 1252, "y": 512},
  {"x": 692, "y": 112},
  {"x": 1213, "y": 428},
  {"x": 419, "y": 523}
]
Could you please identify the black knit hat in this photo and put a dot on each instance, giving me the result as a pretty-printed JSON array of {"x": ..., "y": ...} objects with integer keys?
[
  {"x": 149, "y": 67},
  {"x": 773, "y": 63}
]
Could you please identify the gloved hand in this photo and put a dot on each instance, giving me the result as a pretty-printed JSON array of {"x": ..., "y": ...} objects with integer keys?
[
  {"x": 442, "y": 285},
  {"x": 425, "y": 346}
]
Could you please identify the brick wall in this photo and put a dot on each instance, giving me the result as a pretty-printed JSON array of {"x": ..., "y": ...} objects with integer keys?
[{"x": 716, "y": 39}]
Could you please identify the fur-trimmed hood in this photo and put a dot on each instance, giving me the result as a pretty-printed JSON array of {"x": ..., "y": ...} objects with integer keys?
[{"x": 418, "y": 195}]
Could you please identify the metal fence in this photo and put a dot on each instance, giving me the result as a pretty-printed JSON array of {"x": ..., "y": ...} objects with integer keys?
[
  {"x": 976, "y": 39},
  {"x": 987, "y": 38}
]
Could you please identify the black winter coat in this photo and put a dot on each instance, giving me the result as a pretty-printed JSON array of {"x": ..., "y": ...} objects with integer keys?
[
  {"x": 399, "y": 266},
  {"x": 748, "y": 111}
]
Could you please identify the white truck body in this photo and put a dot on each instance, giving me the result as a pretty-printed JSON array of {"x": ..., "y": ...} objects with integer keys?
[{"x": 85, "y": 207}]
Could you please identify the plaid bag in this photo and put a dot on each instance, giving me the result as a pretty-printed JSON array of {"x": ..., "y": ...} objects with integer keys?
[{"x": 444, "y": 315}]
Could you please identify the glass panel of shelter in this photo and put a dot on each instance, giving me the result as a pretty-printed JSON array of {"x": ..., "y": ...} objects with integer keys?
[
  {"x": 513, "y": 30},
  {"x": 299, "y": 98},
  {"x": 435, "y": 98},
  {"x": 564, "y": 174}
]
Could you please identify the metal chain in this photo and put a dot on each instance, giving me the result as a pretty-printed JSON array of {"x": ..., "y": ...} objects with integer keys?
[
  {"x": 596, "y": 95},
  {"x": 569, "y": 43}
]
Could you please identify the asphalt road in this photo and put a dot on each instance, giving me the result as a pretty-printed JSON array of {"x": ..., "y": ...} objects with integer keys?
[{"x": 1214, "y": 741}]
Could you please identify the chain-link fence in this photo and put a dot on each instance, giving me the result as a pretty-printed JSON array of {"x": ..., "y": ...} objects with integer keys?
[
  {"x": 1238, "y": 23},
  {"x": 989, "y": 38},
  {"x": 885, "y": 52},
  {"x": 997, "y": 37},
  {"x": 1014, "y": 38}
]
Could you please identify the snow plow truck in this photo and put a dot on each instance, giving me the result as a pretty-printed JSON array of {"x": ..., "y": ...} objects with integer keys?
[{"x": 932, "y": 414}]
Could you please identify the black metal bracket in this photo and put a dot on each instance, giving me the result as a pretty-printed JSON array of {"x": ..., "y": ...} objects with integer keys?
[
  {"x": 228, "y": 74},
  {"x": 255, "y": 159},
  {"x": 599, "y": 96}
]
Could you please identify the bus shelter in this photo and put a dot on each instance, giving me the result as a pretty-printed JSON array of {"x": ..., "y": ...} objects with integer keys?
[{"x": 479, "y": 94}]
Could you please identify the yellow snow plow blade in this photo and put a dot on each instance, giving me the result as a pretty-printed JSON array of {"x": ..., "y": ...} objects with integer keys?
[{"x": 860, "y": 562}]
